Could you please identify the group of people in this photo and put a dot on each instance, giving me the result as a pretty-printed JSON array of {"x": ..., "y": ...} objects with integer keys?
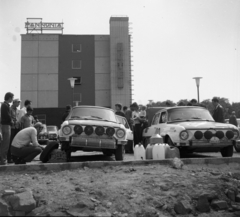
[
  {"x": 218, "y": 113},
  {"x": 136, "y": 117},
  {"x": 19, "y": 132}
]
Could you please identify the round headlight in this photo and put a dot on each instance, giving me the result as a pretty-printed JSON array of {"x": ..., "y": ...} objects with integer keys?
[
  {"x": 236, "y": 134},
  {"x": 110, "y": 131},
  {"x": 99, "y": 130},
  {"x": 229, "y": 134},
  {"x": 219, "y": 134},
  {"x": 88, "y": 130},
  {"x": 183, "y": 135},
  {"x": 208, "y": 135},
  {"x": 78, "y": 129},
  {"x": 67, "y": 130},
  {"x": 120, "y": 133},
  {"x": 198, "y": 134}
]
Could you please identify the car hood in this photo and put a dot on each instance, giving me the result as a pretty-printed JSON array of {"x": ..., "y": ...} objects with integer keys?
[
  {"x": 203, "y": 125},
  {"x": 93, "y": 123}
]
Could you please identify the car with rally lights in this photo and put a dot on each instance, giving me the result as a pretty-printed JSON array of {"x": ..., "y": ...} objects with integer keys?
[
  {"x": 52, "y": 132},
  {"x": 43, "y": 136},
  {"x": 93, "y": 128},
  {"x": 192, "y": 129}
]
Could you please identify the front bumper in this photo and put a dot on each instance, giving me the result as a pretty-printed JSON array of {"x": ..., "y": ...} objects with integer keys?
[{"x": 204, "y": 144}]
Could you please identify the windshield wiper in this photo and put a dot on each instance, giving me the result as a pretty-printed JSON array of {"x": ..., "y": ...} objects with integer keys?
[{"x": 195, "y": 118}]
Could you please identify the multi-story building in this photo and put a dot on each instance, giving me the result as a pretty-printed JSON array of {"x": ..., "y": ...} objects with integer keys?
[{"x": 101, "y": 65}]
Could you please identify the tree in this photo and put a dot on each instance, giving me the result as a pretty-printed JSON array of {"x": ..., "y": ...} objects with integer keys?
[{"x": 182, "y": 102}]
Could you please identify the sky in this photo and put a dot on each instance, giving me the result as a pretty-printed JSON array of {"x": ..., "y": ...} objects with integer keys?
[{"x": 173, "y": 41}]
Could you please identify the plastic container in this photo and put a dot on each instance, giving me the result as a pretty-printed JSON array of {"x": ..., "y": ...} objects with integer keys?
[
  {"x": 156, "y": 138},
  {"x": 149, "y": 152},
  {"x": 139, "y": 152},
  {"x": 158, "y": 152},
  {"x": 172, "y": 152}
]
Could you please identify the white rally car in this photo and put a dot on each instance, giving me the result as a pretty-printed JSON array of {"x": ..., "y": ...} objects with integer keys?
[
  {"x": 192, "y": 129},
  {"x": 93, "y": 128}
]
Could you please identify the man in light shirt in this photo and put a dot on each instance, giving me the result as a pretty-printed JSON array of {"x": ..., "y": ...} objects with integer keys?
[
  {"x": 23, "y": 110},
  {"x": 25, "y": 146}
]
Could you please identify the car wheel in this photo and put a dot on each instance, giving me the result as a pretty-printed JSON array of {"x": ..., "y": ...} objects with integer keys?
[
  {"x": 45, "y": 155},
  {"x": 107, "y": 152},
  {"x": 119, "y": 153},
  {"x": 227, "y": 151},
  {"x": 64, "y": 146},
  {"x": 129, "y": 147}
]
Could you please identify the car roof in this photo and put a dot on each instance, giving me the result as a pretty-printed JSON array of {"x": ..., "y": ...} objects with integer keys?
[
  {"x": 179, "y": 107},
  {"x": 91, "y": 106}
]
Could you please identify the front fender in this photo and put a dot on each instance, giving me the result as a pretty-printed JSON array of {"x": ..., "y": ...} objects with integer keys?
[{"x": 165, "y": 130}]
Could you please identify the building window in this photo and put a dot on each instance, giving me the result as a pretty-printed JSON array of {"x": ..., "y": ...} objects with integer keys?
[
  {"x": 76, "y": 48},
  {"x": 78, "y": 81},
  {"x": 76, "y": 64}
]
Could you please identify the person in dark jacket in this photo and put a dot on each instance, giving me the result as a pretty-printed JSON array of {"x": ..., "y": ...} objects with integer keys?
[
  {"x": 66, "y": 113},
  {"x": 218, "y": 114},
  {"x": 118, "y": 111},
  {"x": 233, "y": 119},
  {"x": 6, "y": 122}
]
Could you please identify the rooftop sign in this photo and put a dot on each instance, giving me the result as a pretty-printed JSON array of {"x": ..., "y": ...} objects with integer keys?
[{"x": 35, "y": 25}]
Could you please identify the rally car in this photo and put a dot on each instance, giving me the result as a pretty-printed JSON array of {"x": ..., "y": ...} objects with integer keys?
[
  {"x": 93, "y": 128},
  {"x": 192, "y": 129}
]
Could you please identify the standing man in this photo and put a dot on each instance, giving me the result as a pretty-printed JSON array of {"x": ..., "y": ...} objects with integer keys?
[
  {"x": 67, "y": 112},
  {"x": 6, "y": 121},
  {"x": 27, "y": 120},
  {"x": 218, "y": 114},
  {"x": 233, "y": 119},
  {"x": 128, "y": 115},
  {"x": 118, "y": 108},
  {"x": 15, "y": 126},
  {"x": 23, "y": 110}
]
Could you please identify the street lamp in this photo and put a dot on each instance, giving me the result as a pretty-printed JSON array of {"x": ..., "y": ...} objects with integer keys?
[
  {"x": 72, "y": 83},
  {"x": 197, "y": 79}
]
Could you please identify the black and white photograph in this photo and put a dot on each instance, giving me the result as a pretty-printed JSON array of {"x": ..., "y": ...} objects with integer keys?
[{"x": 124, "y": 108}]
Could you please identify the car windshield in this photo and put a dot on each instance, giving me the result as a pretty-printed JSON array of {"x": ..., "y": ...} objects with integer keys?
[
  {"x": 90, "y": 113},
  {"x": 182, "y": 114},
  {"x": 51, "y": 128}
]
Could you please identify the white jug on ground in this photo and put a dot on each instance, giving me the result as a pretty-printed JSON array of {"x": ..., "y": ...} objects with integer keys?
[
  {"x": 149, "y": 152},
  {"x": 158, "y": 152},
  {"x": 139, "y": 152}
]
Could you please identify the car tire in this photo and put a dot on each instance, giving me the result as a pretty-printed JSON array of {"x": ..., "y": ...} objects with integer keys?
[
  {"x": 129, "y": 147},
  {"x": 107, "y": 152},
  {"x": 44, "y": 157},
  {"x": 227, "y": 151},
  {"x": 119, "y": 153}
]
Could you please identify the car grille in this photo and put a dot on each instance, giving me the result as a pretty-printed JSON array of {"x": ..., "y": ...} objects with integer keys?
[{"x": 93, "y": 142}]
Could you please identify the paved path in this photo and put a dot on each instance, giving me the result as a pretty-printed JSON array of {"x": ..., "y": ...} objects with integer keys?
[{"x": 81, "y": 156}]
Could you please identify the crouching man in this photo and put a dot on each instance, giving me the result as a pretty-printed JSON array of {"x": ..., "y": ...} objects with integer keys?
[{"x": 25, "y": 146}]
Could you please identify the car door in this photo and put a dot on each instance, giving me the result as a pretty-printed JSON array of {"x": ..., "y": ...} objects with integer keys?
[{"x": 149, "y": 131}]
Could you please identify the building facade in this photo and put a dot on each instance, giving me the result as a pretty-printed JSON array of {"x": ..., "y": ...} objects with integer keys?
[{"x": 101, "y": 65}]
